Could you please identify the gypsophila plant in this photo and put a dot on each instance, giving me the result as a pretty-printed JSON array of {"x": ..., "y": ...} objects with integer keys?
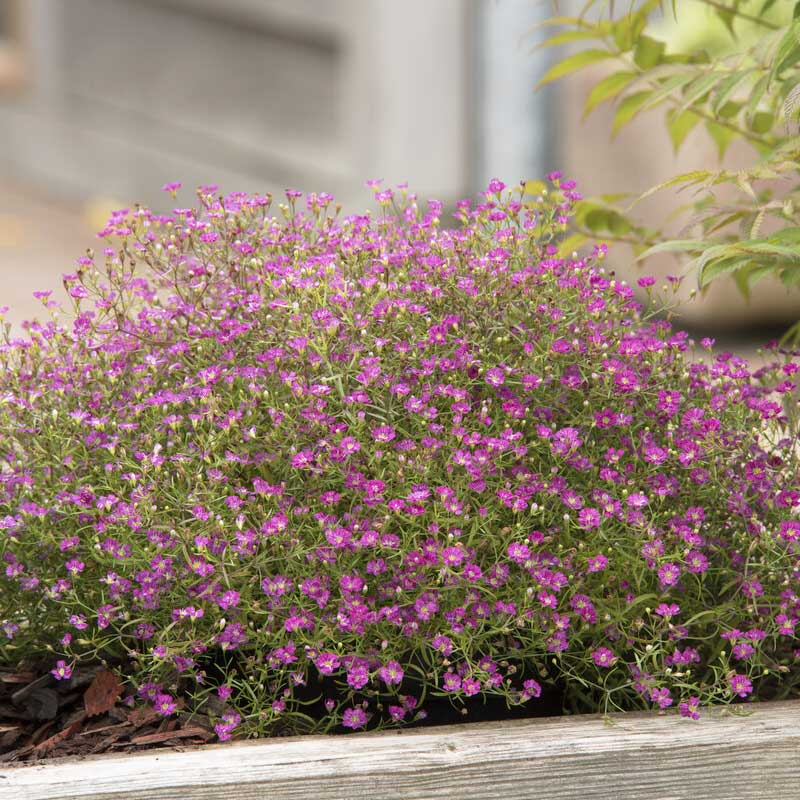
[{"x": 312, "y": 474}]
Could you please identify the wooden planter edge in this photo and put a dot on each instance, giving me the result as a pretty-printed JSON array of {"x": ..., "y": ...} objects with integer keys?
[{"x": 641, "y": 756}]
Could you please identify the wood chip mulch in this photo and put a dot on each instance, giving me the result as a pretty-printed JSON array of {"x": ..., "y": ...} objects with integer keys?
[{"x": 41, "y": 718}]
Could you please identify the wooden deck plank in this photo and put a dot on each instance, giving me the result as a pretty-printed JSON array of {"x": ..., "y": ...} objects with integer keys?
[{"x": 632, "y": 757}]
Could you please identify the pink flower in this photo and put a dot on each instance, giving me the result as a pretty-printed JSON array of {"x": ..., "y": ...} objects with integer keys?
[
  {"x": 696, "y": 562},
  {"x": 165, "y": 705},
  {"x": 62, "y": 672},
  {"x": 667, "y": 611},
  {"x": 668, "y": 574},
  {"x": 518, "y": 552},
  {"x": 604, "y": 657},
  {"x": 690, "y": 708},
  {"x": 740, "y": 685},
  {"x": 531, "y": 688},
  {"x": 229, "y": 721},
  {"x": 588, "y": 518},
  {"x": 496, "y": 376},
  {"x": 392, "y": 673},
  {"x": 596, "y": 563},
  {"x": 327, "y": 663},
  {"x": 451, "y": 682},
  {"x": 661, "y": 697},
  {"x": 354, "y": 718}
]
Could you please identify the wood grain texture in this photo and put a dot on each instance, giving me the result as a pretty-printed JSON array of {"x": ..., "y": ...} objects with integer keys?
[{"x": 628, "y": 757}]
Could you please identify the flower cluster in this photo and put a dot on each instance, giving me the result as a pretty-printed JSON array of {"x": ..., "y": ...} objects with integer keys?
[{"x": 307, "y": 472}]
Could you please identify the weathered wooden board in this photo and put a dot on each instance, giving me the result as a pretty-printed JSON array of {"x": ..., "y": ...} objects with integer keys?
[{"x": 629, "y": 757}]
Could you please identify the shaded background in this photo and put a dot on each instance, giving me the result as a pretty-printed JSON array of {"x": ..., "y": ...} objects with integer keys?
[{"x": 103, "y": 101}]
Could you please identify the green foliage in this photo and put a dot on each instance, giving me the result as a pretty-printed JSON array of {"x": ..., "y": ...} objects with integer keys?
[{"x": 730, "y": 67}]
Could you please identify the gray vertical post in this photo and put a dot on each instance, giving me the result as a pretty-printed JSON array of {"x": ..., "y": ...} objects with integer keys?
[{"x": 514, "y": 123}]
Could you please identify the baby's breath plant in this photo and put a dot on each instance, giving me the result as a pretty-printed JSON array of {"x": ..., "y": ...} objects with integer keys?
[{"x": 305, "y": 473}]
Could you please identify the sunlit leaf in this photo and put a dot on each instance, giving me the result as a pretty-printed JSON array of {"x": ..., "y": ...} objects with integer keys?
[
  {"x": 607, "y": 88},
  {"x": 669, "y": 88},
  {"x": 688, "y": 178},
  {"x": 628, "y": 109},
  {"x": 728, "y": 87},
  {"x": 567, "y": 37},
  {"x": 648, "y": 52},
  {"x": 788, "y": 52},
  {"x": 729, "y": 110},
  {"x": 571, "y": 244},
  {"x": 786, "y": 236},
  {"x": 679, "y": 126},
  {"x": 757, "y": 94},
  {"x": 790, "y": 277},
  {"x": 534, "y": 187},
  {"x": 674, "y": 246},
  {"x": 763, "y": 122},
  {"x": 722, "y": 136},
  {"x": 574, "y": 63},
  {"x": 699, "y": 88}
]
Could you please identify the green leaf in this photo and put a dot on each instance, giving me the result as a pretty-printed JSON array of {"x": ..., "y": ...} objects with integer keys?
[
  {"x": 727, "y": 16},
  {"x": 627, "y": 30},
  {"x": 730, "y": 109},
  {"x": 606, "y": 89},
  {"x": 748, "y": 277},
  {"x": 534, "y": 187},
  {"x": 674, "y": 246},
  {"x": 648, "y": 52},
  {"x": 790, "y": 277},
  {"x": 757, "y": 273},
  {"x": 698, "y": 88},
  {"x": 597, "y": 220},
  {"x": 757, "y": 93},
  {"x": 721, "y": 259},
  {"x": 613, "y": 197},
  {"x": 728, "y": 87},
  {"x": 617, "y": 224},
  {"x": 668, "y": 88},
  {"x": 788, "y": 52},
  {"x": 628, "y": 109},
  {"x": 720, "y": 266},
  {"x": 567, "y": 37},
  {"x": 573, "y": 64},
  {"x": 765, "y": 247},
  {"x": 572, "y": 243},
  {"x": 717, "y": 223},
  {"x": 721, "y": 135},
  {"x": 762, "y": 122},
  {"x": 786, "y": 236},
  {"x": 695, "y": 176},
  {"x": 679, "y": 126}
]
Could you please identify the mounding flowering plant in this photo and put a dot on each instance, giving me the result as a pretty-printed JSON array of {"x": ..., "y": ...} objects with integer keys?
[{"x": 307, "y": 473}]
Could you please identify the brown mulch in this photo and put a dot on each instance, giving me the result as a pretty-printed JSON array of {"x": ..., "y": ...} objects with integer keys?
[{"x": 41, "y": 718}]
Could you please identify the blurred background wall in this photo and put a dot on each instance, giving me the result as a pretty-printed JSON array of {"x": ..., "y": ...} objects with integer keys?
[{"x": 103, "y": 101}]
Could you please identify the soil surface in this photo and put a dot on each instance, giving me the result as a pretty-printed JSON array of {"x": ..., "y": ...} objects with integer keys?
[{"x": 42, "y": 719}]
